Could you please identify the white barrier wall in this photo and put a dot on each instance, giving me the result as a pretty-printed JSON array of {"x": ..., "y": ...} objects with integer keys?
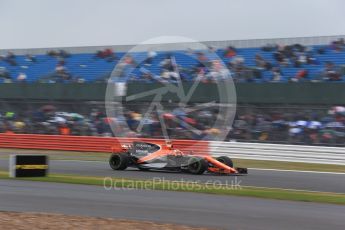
[{"x": 277, "y": 152}]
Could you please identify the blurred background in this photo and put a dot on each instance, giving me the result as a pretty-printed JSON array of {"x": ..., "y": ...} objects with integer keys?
[{"x": 289, "y": 74}]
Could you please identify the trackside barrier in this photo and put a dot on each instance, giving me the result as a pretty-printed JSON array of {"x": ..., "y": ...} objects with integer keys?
[
  {"x": 87, "y": 143},
  {"x": 278, "y": 152},
  {"x": 254, "y": 151}
]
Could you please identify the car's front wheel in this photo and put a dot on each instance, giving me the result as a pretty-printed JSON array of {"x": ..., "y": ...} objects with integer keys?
[
  {"x": 226, "y": 160},
  {"x": 119, "y": 161},
  {"x": 197, "y": 165}
]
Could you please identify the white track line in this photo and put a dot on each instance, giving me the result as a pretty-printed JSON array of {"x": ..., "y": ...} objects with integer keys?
[{"x": 302, "y": 171}]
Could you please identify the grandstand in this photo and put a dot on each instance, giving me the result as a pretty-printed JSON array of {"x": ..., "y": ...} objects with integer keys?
[
  {"x": 295, "y": 113},
  {"x": 86, "y": 65}
]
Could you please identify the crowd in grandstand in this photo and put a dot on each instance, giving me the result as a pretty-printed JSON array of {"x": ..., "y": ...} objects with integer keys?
[
  {"x": 303, "y": 127},
  {"x": 271, "y": 63}
]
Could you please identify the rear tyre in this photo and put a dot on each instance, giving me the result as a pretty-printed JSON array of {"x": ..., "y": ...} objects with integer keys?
[
  {"x": 119, "y": 161},
  {"x": 197, "y": 165},
  {"x": 226, "y": 160}
]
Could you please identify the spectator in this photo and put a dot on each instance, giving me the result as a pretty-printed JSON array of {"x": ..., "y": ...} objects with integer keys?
[
  {"x": 260, "y": 61},
  {"x": 4, "y": 73},
  {"x": 300, "y": 75},
  {"x": 167, "y": 76},
  {"x": 230, "y": 52},
  {"x": 167, "y": 64},
  {"x": 10, "y": 55},
  {"x": 7, "y": 78},
  {"x": 21, "y": 77},
  {"x": 269, "y": 47},
  {"x": 64, "y": 130},
  {"x": 30, "y": 58},
  {"x": 218, "y": 72},
  {"x": 279, "y": 57},
  {"x": 202, "y": 59},
  {"x": 201, "y": 76},
  {"x": 61, "y": 74},
  {"x": 277, "y": 74},
  {"x": 321, "y": 50},
  {"x": 52, "y": 53},
  {"x": 311, "y": 60},
  {"x": 63, "y": 54},
  {"x": 149, "y": 59},
  {"x": 106, "y": 54},
  {"x": 10, "y": 58},
  {"x": 302, "y": 58},
  {"x": 338, "y": 45},
  {"x": 331, "y": 73}
]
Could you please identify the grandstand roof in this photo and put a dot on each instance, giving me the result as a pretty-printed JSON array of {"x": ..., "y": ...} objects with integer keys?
[{"x": 250, "y": 43}]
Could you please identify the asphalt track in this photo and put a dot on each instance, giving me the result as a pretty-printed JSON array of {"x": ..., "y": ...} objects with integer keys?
[
  {"x": 326, "y": 182},
  {"x": 171, "y": 207}
]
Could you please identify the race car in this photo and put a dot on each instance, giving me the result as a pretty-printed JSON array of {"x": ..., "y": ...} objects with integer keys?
[{"x": 147, "y": 156}]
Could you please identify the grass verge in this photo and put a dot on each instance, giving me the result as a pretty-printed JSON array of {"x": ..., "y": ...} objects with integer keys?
[{"x": 267, "y": 193}]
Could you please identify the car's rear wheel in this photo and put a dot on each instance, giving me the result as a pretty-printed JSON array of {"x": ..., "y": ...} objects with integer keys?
[
  {"x": 119, "y": 161},
  {"x": 225, "y": 160},
  {"x": 197, "y": 165}
]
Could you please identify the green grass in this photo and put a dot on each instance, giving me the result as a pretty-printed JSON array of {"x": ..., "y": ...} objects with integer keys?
[{"x": 267, "y": 193}]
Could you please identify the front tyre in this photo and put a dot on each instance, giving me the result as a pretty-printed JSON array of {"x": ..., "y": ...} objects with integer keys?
[
  {"x": 119, "y": 161},
  {"x": 197, "y": 165},
  {"x": 225, "y": 160}
]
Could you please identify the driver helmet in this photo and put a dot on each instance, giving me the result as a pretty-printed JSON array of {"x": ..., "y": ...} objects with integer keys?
[{"x": 169, "y": 144}]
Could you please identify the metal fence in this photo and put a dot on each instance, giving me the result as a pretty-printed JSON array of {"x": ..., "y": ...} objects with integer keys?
[{"x": 276, "y": 152}]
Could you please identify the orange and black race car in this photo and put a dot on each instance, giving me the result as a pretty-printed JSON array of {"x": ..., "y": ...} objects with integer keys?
[{"x": 146, "y": 156}]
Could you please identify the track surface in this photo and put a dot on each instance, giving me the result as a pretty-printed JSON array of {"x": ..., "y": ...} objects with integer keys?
[
  {"x": 173, "y": 207},
  {"x": 262, "y": 178}
]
